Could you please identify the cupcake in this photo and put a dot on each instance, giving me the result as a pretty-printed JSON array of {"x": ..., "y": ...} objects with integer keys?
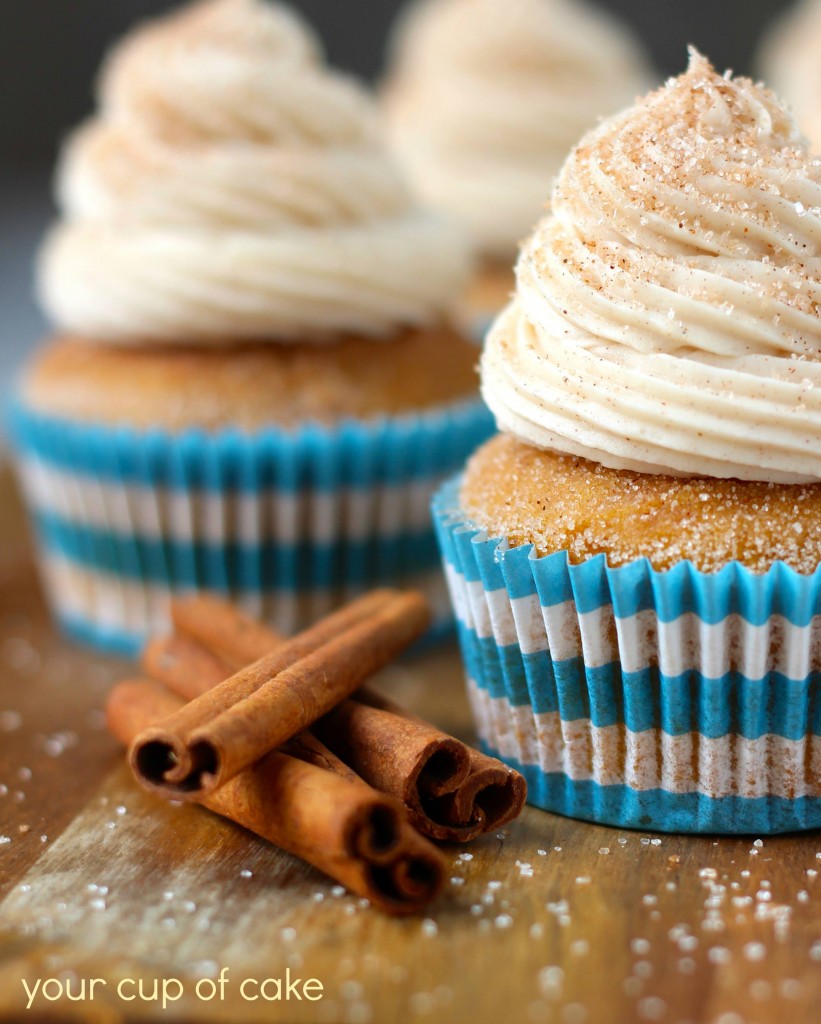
[
  {"x": 634, "y": 560},
  {"x": 485, "y": 97},
  {"x": 790, "y": 60},
  {"x": 253, "y": 387}
]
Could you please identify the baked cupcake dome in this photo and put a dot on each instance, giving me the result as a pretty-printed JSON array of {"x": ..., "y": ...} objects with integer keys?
[
  {"x": 635, "y": 568},
  {"x": 562, "y": 503},
  {"x": 253, "y": 388}
]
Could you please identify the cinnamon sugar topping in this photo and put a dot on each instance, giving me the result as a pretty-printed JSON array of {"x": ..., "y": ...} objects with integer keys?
[{"x": 667, "y": 312}]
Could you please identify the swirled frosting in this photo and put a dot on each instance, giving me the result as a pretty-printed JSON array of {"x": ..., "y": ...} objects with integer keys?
[
  {"x": 790, "y": 60},
  {"x": 233, "y": 188},
  {"x": 485, "y": 98},
  {"x": 667, "y": 317}
]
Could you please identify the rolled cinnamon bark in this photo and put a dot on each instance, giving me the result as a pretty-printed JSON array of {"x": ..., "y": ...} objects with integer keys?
[
  {"x": 397, "y": 755},
  {"x": 339, "y": 825},
  {"x": 219, "y": 734},
  {"x": 186, "y": 667},
  {"x": 492, "y": 795},
  {"x": 188, "y": 670},
  {"x": 451, "y": 808},
  {"x": 452, "y": 792},
  {"x": 224, "y": 630}
]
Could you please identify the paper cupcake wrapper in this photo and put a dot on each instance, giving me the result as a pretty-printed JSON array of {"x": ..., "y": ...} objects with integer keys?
[
  {"x": 676, "y": 701},
  {"x": 288, "y": 523}
]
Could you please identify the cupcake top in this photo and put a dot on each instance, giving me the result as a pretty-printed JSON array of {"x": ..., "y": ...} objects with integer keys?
[
  {"x": 790, "y": 61},
  {"x": 231, "y": 187},
  {"x": 666, "y": 316},
  {"x": 486, "y": 97}
]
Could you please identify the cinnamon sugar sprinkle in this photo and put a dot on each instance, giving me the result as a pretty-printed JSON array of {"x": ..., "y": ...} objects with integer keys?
[
  {"x": 667, "y": 317},
  {"x": 706, "y": 165}
]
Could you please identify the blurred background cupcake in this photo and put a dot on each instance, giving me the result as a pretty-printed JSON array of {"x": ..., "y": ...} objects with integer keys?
[
  {"x": 485, "y": 97},
  {"x": 253, "y": 387},
  {"x": 790, "y": 62},
  {"x": 635, "y": 560},
  {"x": 47, "y": 76}
]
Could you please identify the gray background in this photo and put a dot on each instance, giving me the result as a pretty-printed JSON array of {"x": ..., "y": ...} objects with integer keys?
[{"x": 50, "y": 50}]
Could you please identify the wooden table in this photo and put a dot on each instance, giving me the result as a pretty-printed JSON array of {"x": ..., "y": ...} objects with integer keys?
[{"x": 550, "y": 920}]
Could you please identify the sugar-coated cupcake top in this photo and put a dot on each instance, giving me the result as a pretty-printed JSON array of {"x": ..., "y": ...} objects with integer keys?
[
  {"x": 790, "y": 60},
  {"x": 485, "y": 97},
  {"x": 231, "y": 187},
  {"x": 667, "y": 313}
]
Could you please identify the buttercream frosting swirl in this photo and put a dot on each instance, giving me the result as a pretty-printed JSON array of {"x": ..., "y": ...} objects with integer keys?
[
  {"x": 790, "y": 61},
  {"x": 667, "y": 317},
  {"x": 485, "y": 97},
  {"x": 232, "y": 187}
]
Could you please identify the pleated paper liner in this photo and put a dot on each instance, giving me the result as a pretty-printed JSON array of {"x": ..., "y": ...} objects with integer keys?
[
  {"x": 677, "y": 701},
  {"x": 288, "y": 523}
]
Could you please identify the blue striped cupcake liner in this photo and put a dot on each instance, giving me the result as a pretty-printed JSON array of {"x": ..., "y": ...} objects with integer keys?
[
  {"x": 675, "y": 701},
  {"x": 288, "y": 523}
]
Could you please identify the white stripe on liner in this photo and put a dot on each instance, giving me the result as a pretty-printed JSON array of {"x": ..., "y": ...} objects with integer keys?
[
  {"x": 493, "y": 614},
  {"x": 561, "y": 634},
  {"x": 613, "y": 755},
  {"x": 129, "y": 606},
  {"x": 268, "y": 515},
  {"x": 477, "y": 602},
  {"x": 639, "y": 641},
  {"x": 458, "y": 597}
]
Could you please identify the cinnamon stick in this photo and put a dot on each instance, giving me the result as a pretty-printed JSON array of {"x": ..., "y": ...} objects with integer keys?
[
  {"x": 339, "y": 825},
  {"x": 188, "y": 670},
  {"x": 186, "y": 667},
  {"x": 224, "y": 630},
  {"x": 219, "y": 734},
  {"x": 488, "y": 797},
  {"x": 452, "y": 793}
]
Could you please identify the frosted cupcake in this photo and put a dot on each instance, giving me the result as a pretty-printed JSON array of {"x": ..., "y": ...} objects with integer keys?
[
  {"x": 790, "y": 60},
  {"x": 253, "y": 387},
  {"x": 635, "y": 560},
  {"x": 484, "y": 99}
]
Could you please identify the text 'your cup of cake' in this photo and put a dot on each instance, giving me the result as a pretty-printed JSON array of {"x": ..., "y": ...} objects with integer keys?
[
  {"x": 634, "y": 561},
  {"x": 253, "y": 387}
]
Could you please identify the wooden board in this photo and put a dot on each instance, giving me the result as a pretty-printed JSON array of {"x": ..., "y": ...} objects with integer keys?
[{"x": 550, "y": 920}]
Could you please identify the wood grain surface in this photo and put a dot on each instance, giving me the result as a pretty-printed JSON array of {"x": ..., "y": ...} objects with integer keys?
[{"x": 550, "y": 920}]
